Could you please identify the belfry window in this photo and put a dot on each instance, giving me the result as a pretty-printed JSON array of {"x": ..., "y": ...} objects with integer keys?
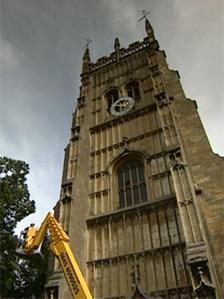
[
  {"x": 132, "y": 90},
  {"x": 111, "y": 97},
  {"x": 131, "y": 183}
]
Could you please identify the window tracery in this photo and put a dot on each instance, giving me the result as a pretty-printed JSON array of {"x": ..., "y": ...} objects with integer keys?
[
  {"x": 132, "y": 90},
  {"x": 131, "y": 183}
]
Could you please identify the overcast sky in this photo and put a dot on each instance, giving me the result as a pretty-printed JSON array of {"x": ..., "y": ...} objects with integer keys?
[{"x": 41, "y": 52}]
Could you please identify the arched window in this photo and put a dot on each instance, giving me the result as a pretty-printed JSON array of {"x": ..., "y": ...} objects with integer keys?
[
  {"x": 132, "y": 90},
  {"x": 111, "y": 97},
  {"x": 131, "y": 183}
]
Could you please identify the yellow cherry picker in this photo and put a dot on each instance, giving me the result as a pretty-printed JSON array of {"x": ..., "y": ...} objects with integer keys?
[{"x": 30, "y": 241}]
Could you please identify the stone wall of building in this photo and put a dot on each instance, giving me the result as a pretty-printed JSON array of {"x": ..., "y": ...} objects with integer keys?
[{"x": 162, "y": 231}]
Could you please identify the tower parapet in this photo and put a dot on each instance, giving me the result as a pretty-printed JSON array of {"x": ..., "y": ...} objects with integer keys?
[{"x": 124, "y": 52}]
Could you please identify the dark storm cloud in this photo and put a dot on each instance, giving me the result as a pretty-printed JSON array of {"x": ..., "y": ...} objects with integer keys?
[{"x": 41, "y": 51}]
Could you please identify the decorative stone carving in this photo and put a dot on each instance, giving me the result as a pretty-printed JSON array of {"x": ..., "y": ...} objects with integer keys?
[
  {"x": 138, "y": 292},
  {"x": 176, "y": 160},
  {"x": 109, "y": 83},
  {"x": 81, "y": 102}
]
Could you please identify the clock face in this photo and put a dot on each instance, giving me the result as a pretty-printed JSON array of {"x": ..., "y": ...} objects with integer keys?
[{"x": 122, "y": 106}]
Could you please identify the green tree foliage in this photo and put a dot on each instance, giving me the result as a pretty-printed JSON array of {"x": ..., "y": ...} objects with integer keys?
[
  {"x": 15, "y": 204},
  {"x": 30, "y": 275}
]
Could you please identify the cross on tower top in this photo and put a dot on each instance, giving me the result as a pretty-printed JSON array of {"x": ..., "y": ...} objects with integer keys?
[
  {"x": 144, "y": 14},
  {"x": 88, "y": 41}
]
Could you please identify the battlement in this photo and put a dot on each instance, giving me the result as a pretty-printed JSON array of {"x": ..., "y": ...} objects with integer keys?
[{"x": 122, "y": 53}]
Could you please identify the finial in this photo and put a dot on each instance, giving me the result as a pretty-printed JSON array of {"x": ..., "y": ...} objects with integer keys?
[
  {"x": 147, "y": 25},
  {"x": 149, "y": 30},
  {"x": 86, "y": 57},
  {"x": 116, "y": 44}
]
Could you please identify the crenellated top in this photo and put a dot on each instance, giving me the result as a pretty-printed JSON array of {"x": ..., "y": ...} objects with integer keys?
[{"x": 120, "y": 53}]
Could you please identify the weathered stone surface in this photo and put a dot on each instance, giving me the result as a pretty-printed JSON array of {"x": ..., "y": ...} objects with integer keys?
[{"x": 164, "y": 215}]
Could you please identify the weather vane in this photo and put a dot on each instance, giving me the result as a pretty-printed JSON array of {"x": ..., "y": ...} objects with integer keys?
[
  {"x": 144, "y": 14},
  {"x": 88, "y": 41}
]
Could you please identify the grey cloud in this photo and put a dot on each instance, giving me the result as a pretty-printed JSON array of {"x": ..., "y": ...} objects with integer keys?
[
  {"x": 9, "y": 57},
  {"x": 43, "y": 48}
]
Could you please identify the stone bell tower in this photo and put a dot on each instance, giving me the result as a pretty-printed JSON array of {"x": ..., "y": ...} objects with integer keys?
[{"x": 142, "y": 191}]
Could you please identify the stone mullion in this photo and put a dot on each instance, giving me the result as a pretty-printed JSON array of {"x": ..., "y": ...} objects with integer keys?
[
  {"x": 131, "y": 187},
  {"x": 97, "y": 138},
  {"x": 95, "y": 204},
  {"x": 143, "y": 247},
  {"x": 94, "y": 141},
  {"x": 171, "y": 251},
  {"x": 162, "y": 253},
  {"x": 124, "y": 189},
  {"x": 126, "y": 248},
  {"x": 138, "y": 181},
  {"x": 108, "y": 142},
  {"x": 102, "y": 166},
  {"x": 114, "y": 139},
  {"x": 110, "y": 254},
  {"x": 94, "y": 243},
  {"x": 119, "y": 130},
  {"x": 153, "y": 259},
  {"x": 119, "y": 277}
]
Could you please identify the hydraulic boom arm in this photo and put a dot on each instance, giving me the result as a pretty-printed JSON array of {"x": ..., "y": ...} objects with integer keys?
[{"x": 60, "y": 246}]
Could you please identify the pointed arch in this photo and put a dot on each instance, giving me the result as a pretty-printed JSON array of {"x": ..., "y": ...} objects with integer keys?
[
  {"x": 132, "y": 90},
  {"x": 128, "y": 175},
  {"x": 111, "y": 96}
]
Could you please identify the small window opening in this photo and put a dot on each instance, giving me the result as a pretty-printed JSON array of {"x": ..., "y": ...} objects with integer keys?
[{"x": 112, "y": 97}]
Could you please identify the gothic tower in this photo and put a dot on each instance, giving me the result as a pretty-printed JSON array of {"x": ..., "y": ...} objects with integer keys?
[{"x": 141, "y": 188}]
